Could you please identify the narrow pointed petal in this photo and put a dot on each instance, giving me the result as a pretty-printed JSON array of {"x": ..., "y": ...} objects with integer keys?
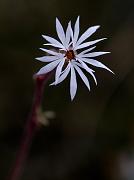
[
  {"x": 49, "y": 67},
  {"x": 63, "y": 75},
  {"x": 96, "y": 64},
  {"x": 68, "y": 35},
  {"x": 86, "y": 44},
  {"x": 85, "y": 51},
  {"x": 55, "y": 45},
  {"x": 71, "y": 32},
  {"x": 76, "y": 30},
  {"x": 58, "y": 70},
  {"x": 83, "y": 77},
  {"x": 47, "y": 58},
  {"x": 53, "y": 41},
  {"x": 95, "y": 54},
  {"x": 88, "y": 70},
  {"x": 80, "y": 65},
  {"x": 87, "y": 34},
  {"x": 50, "y": 52},
  {"x": 73, "y": 83},
  {"x": 60, "y": 31}
]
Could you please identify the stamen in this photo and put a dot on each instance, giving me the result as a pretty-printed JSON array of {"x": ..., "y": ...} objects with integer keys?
[{"x": 70, "y": 55}]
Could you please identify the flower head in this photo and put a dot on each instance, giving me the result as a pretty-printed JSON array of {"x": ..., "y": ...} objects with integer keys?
[{"x": 70, "y": 56}]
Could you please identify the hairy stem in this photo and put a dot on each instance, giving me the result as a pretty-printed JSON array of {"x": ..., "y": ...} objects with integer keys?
[{"x": 32, "y": 126}]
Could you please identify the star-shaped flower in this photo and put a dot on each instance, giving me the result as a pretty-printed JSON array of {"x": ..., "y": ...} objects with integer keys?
[{"x": 70, "y": 56}]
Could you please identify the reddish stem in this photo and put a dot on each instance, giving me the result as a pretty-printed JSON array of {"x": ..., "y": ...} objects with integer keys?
[{"x": 31, "y": 128}]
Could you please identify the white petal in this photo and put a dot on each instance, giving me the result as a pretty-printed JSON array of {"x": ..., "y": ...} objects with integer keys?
[
  {"x": 87, "y": 33},
  {"x": 50, "y": 52},
  {"x": 95, "y": 54},
  {"x": 85, "y": 51},
  {"x": 64, "y": 75},
  {"x": 73, "y": 83},
  {"x": 47, "y": 58},
  {"x": 53, "y": 41},
  {"x": 80, "y": 65},
  {"x": 88, "y": 70},
  {"x": 96, "y": 63},
  {"x": 49, "y": 67},
  {"x": 76, "y": 30},
  {"x": 58, "y": 70},
  {"x": 54, "y": 45},
  {"x": 83, "y": 77},
  {"x": 60, "y": 31},
  {"x": 86, "y": 44},
  {"x": 71, "y": 32},
  {"x": 68, "y": 35}
]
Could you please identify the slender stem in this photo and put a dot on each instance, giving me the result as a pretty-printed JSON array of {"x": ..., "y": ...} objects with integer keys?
[{"x": 32, "y": 126}]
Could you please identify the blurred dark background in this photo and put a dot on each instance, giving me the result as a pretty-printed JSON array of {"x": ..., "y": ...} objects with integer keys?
[{"x": 91, "y": 137}]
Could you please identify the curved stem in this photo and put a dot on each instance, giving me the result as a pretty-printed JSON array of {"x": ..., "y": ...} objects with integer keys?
[{"x": 32, "y": 126}]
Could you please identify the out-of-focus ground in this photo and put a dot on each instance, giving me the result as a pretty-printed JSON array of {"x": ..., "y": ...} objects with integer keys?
[{"x": 91, "y": 137}]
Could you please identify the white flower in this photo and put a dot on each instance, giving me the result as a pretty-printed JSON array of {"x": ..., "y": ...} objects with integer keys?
[{"x": 69, "y": 58}]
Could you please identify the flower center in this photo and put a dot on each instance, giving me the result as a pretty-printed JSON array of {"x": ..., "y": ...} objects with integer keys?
[{"x": 70, "y": 55}]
